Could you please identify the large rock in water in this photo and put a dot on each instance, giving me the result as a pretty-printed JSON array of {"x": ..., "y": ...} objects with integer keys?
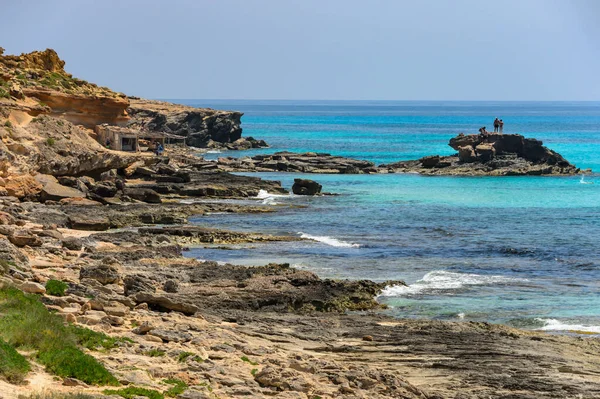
[
  {"x": 306, "y": 187},
  {"x": 490, "y": 154}
]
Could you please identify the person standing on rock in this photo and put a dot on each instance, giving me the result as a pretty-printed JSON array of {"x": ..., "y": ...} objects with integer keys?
[
  {"x": 496, "y": 125},
  {"x": 501, "y": 125}
]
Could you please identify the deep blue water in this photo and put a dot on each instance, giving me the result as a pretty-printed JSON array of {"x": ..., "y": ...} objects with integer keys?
[{"x": 517, "y": 250}]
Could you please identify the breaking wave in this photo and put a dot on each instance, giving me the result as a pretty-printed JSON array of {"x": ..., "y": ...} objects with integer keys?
[
  {"x": 334, "y": 242},
  {"x": 441, "y": 280},
  {"x": 556, "y": 325}
]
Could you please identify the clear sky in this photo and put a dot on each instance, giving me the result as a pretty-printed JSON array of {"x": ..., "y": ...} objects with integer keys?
[{"x": 320, "y": 49}]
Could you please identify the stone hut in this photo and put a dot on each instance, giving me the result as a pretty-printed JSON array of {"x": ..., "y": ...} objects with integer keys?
[{"x": 124, "y": 139}]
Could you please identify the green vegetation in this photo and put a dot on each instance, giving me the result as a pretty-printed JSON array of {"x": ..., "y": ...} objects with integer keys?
[
  {"x": 132, "y": 392},
  {"x": 183, "y": 356},
  {"x": 253, "y": 371},
  {"x": 13, "y": 366},
  {"x": 57, "y": 81},
  {"x": 56, "y": 287},
  {"x": 50, "y": 141},
  {"x": 5, "y": 266},
  {"x": 8, "y": 124},
  {"x": 4, "y": 91},
  {"x": 26, "y": 323},
  {"x": 94, "y": 340},
  {"x": 61, "y": 395},
  {"x": 245, "y": 359},
  {"x": 177, "y": 388},
  {"x": 155, "y": 352}
]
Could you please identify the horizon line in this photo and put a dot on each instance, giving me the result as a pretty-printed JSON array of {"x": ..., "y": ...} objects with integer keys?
[{"x": 365, "y": 100}]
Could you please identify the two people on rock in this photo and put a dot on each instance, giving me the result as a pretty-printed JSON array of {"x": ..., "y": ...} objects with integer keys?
[{"x": 498, "y": 125}]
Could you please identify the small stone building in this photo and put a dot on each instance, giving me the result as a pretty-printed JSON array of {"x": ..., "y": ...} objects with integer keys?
[{"x": 124, "y": 139}]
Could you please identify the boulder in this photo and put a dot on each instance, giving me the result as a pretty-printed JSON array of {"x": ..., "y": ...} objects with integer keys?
[
  {"x": 31, "y": 287},
  {"x": 306, "y": 187},
  {"x": 466, "y": 154},
  {"x": 165, "y": 303},
  {"x": 171, "y": 286},
  {"x": 104, "y": 274},
  {"x": 89, "y": 222},
  {"x": 53, "y": 191},
  {"x": 430, "y": 161},
  {"x": 485, "y": 152},
  {"x": 9, "y": 252},
  {"x": 171, "y": 335},
  {"x": 143, "y": 194},
  {"x": 105, "y": 189},
  {"x": 7, "y": 219},
  {"x": 134, "y": 284},
  {"x": 24, "y": 238},
  {"x": 72, "y": 243}
]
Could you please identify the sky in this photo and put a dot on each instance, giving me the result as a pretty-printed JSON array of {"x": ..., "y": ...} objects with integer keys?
[{"x": 320, "y": 49}]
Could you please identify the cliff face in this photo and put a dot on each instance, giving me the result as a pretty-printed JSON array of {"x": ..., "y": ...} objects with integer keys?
[
  {"x": 199, "y": 125},
  {"x": 88, "y": 111},
  {"x": 40, "y": 77}
]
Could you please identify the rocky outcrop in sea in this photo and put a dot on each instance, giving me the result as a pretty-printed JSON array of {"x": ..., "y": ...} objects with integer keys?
[{"x": 490, "y": 154}]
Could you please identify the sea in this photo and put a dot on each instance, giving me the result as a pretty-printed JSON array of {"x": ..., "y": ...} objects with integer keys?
[{"x": 522, "y": 251}]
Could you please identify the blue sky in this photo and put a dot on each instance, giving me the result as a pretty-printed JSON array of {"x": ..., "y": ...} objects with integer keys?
[{"x": 320, "y": 49}]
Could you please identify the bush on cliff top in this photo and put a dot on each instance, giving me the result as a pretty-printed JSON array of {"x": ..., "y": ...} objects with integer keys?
[{"x": 26, "y": 323}]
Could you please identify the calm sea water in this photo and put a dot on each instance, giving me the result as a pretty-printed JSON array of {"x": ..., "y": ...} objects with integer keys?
[{"x": 516, "y": 250}]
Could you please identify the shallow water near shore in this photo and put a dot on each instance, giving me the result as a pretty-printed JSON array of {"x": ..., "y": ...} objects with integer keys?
[{"x": 516, "y": 250}]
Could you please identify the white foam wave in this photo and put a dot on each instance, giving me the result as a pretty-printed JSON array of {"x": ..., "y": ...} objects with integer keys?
[
  {"x": 441, "y": 280},
  {"x": 213, "y": 152},
  {"x": 582, "y": 180},
  {"x": 264, "y": 194},
  {"x": 334, "y": 242},
  {"x": 270, "y": 201},
  {"x": 557, "y": 325}
]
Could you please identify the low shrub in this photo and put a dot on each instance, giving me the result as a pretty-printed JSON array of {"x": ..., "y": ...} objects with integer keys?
[
  {"x": 13, "y": 366},
  {"x": 8, "y": 124},
  {"x": 94, "y": 340},
  {"x": 56, "y": 287},
  {"x": 132, "y": 392},
  {"x": 72, "y": 362},
  {"x": 50, "y": 141}
]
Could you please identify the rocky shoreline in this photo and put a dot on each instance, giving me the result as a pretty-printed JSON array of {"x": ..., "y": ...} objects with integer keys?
[
  {"x": 110, "y": 229},
  {"x": 485, "y": 154},
  {"x": 270, "y": 331}
]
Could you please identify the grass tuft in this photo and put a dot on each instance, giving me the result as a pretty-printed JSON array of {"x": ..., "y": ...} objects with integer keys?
[
  {"x": 177, "y": 389},
  {"x": 155, "y": 352},
  {"x": 245, "y": 359}
]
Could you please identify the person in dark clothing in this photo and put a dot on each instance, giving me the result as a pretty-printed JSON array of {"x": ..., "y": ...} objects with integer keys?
[{"x": 496, "y": 125}]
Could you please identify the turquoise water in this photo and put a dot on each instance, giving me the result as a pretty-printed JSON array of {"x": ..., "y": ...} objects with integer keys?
[{"x": 516, "y": 250}]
